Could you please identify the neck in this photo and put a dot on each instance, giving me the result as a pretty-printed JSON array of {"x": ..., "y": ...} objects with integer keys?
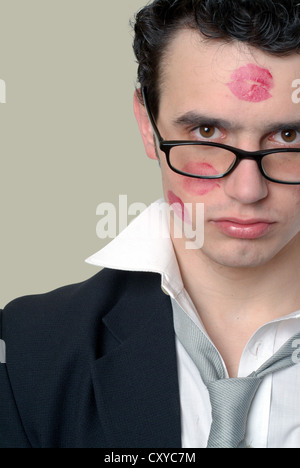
[
  {"x": 233, "y": 303},
  {"x": 212, "y": 284}
]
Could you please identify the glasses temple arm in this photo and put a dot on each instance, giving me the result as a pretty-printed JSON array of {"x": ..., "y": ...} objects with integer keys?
[{"x": 150, "y": 116}]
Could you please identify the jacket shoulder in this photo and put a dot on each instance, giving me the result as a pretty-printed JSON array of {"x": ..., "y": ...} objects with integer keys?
[
  {"x": 73, "y": 296},
  {"x": 74, "y": 307}
]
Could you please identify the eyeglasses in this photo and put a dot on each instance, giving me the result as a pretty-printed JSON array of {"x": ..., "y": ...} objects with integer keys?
[{"x": 201, "y": 160}]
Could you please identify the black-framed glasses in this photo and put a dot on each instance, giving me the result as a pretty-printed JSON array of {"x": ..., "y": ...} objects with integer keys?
[{"x": 204, "y": 160}]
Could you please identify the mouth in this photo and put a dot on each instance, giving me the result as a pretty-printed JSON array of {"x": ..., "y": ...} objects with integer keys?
[
  {"x": 251, "y": 83},
  {"x": 243, "y": 229}
]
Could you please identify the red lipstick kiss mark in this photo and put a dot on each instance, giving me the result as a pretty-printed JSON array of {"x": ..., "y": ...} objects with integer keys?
[
  {"x": 179, "y": 208},
  {"x": 251, "y": 83},
  {"x": 200, "y": 186}
]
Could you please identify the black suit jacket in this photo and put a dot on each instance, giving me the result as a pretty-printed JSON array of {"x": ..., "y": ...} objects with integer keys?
[{"x": 91, "y": 365}]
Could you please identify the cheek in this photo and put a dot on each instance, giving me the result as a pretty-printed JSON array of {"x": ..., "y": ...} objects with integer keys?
[
  {"x": 297, "y": 196},
  {"x": 294, "y": 194},
  {"x": 199, "y": 186},
  {"x": 286, "y": 203}
]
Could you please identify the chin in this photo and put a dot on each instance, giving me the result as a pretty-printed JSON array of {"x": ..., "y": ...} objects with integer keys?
[{"x": 245, "y": 256}]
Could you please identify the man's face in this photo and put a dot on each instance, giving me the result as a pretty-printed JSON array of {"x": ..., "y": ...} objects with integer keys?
[{"x": 244, "y": 99}]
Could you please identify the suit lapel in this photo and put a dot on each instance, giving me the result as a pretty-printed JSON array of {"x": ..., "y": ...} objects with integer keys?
[{"x": 136, "y": 383}]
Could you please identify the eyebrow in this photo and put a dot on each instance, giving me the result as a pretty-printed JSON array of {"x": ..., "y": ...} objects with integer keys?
[{"x": 195, "y": 119}]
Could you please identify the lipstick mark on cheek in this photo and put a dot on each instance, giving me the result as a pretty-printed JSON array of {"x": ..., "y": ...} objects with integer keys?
[
  {"x": 200, "y": 186},
  {"x": 179, "y": 208},
  {"x": 251, "y": 83}
]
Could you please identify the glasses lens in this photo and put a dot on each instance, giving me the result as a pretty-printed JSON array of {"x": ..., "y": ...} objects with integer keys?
[
  {"x": 201, "y": 160},
  {"x": 284, "y": 167}
]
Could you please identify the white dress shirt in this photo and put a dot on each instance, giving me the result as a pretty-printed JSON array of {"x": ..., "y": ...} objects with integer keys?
[{"x": 274, "y": 418}]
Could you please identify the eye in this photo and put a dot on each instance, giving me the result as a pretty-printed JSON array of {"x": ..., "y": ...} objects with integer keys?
[
  {"x": 207, "y": 132},
  {"x": 287, "y": 136}
]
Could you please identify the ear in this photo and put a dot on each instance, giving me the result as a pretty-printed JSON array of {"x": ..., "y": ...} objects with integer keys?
[{"x": 144, "y": 126}]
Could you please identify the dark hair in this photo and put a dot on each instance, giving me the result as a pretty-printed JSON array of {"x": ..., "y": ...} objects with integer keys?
[{"x": 270, "y": 25}]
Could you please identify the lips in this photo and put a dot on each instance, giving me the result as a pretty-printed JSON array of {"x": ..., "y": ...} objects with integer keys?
[
  {"x": 243, "y": 229},
  {"x": 251, "y": 83}
]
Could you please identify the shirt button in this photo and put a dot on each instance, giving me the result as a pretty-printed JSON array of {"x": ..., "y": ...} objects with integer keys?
[{"x": 256, "y": 348}]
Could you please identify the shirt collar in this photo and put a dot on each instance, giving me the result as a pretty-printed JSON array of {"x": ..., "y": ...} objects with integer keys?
[{"x": 145, "y": 245}]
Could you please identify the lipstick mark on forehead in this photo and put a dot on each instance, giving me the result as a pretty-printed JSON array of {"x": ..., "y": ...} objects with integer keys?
[{"x": 251, "y": 83}]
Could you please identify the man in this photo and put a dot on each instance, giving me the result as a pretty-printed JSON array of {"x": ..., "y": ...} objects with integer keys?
[{"x": 117, "y": 361}]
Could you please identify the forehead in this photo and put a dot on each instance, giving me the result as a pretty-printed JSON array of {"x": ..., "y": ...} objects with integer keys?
[{"x": 227, "y": 78}]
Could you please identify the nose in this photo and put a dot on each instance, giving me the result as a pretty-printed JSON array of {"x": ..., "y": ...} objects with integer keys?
[{"x": 246, "y": 184}]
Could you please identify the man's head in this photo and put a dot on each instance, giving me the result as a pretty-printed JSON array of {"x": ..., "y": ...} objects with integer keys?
[
  {"x": 272, "y": 26},
  {"x": 222, "y": 72}
]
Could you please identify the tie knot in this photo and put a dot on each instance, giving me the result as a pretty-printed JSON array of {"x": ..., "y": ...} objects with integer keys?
[{"x": 231, "y": 400}]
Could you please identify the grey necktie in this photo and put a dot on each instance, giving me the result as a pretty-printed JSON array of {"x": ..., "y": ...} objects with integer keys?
[{"x": 230, "y": 398}]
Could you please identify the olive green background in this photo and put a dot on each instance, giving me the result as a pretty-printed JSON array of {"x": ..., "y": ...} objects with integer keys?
[{"x": 68, "y": 137}]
